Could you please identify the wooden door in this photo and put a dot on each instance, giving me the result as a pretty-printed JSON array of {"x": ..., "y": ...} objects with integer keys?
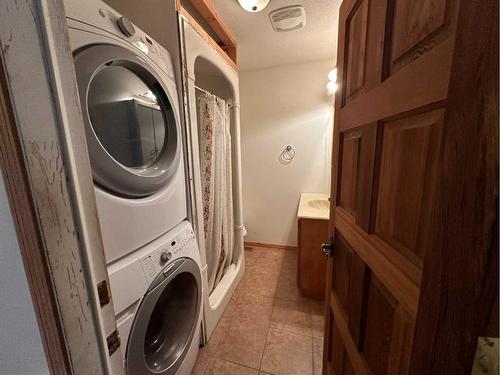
[{"x": 394, "y": 65}]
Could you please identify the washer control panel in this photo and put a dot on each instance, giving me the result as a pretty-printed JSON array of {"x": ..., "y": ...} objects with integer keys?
[{"x": 173, "y": 248}]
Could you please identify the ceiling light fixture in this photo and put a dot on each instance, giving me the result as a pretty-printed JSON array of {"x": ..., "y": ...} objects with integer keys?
[{"x": 253, "y": 6}]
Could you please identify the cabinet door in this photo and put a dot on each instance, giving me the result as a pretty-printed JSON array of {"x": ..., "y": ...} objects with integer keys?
[{"x": 312, "y": 263}]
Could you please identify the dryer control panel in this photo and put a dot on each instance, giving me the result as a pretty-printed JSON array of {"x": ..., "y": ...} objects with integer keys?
[
  {"x": 97, "y": 17},
  {"x": 178, "y": 245}
]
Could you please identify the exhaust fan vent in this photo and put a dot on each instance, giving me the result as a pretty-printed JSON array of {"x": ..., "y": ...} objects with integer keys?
[{"x": 288, "y": 18}]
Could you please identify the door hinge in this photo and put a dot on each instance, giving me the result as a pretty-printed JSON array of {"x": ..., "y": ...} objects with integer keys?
[
  {"x": 327, "y": 248},
  {"x": 113, "y": 341},
  {"x": 103, "y": 292}
]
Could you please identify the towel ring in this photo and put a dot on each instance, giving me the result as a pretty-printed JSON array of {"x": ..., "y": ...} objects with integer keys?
[{"x": 287, "y": 155}]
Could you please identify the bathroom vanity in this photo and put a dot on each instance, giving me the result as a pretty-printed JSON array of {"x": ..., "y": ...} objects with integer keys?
[{"x": 313, "y": 215}]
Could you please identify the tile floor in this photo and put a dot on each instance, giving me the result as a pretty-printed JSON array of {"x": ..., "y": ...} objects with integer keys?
[{"x": 268, "y": 327}]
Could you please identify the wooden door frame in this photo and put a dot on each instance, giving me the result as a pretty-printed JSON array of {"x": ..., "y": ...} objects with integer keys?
[
  {"x": 460, "y": 292},
  {"x": 46, "y": 169}
]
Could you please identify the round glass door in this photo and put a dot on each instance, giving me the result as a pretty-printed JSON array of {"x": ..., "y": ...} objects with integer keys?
[
  {"x": 127, "y": 117},
  {"x": 133, "y": 135},
  {"x": 171, "y": 323},
  {"x": 166, "y": 321}
]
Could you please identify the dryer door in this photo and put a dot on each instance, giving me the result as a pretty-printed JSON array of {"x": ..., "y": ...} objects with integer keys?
[
  {"x": 166, "y": 321},
  {"x": 132, "y": 126}
]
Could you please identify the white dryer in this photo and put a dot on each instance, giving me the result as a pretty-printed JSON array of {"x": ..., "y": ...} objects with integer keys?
[
  {"x": 157, "y": 296},
  {"x": 131, "y": 113}
]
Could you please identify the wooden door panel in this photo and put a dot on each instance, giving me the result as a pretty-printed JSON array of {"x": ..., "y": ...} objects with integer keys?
[
  {"x": 414, "y": 21},
  {"x": 350, "y": 144},
  {"x": 357, "y": 37},
  {"x": 364, "y": 43},
  {"x": 338, "y": 353},
  {"x": 379, "y": 316},
  {"x": 358, "y": 288},
  {"x": 342, "y": 273},
  {"x": 406, "y": 181},
  {"x": 357, "y": 156},
  {"x": 415, "y": 27},
  {"x": 401, "y": 343}
]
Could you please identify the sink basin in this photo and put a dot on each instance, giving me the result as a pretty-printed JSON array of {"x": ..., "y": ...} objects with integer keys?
[
  {"x": 314, "y": 206},
  {"x": 319, "y": 204}
]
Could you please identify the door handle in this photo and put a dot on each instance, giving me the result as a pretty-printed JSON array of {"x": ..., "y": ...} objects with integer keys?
[{"x": 327, "y": 249}]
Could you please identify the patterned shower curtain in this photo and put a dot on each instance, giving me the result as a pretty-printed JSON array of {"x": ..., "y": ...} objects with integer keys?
[{"x": 216, "y": 183}]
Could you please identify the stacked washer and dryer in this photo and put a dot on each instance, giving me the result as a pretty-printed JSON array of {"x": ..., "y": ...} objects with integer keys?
[{"x": 130, "y": 107}]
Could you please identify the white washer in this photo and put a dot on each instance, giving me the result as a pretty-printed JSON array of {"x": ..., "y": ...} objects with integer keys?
[
  {"x": 131, "y": 112},
  {"x": 157, "y": 296}
]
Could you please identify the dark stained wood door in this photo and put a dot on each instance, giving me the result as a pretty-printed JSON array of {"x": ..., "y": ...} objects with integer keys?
[{"x": 394, "y": 65}]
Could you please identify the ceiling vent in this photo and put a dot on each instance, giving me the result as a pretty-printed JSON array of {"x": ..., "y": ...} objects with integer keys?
[{"x": 288, "y": 18}]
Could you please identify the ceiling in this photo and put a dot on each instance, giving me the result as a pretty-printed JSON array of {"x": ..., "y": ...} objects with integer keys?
[{"x": 259, "y": 46}]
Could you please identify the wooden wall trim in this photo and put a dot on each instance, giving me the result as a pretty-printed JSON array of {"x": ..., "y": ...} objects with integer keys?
[
  {"x": 460, "y": 275},
  {"x": 199, "y": 29},
  {"x": 40, "y": 78},
  {"x": 270, "y": 246},
  {"x": 217, "y": 24}
]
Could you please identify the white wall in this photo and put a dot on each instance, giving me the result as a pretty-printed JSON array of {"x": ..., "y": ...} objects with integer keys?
[
  {"x": 21, "y": 350},
  {"x": 279, "y": 106}
]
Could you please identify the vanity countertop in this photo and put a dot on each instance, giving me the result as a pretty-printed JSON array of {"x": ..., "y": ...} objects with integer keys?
[{"x": 314, "y": 206}]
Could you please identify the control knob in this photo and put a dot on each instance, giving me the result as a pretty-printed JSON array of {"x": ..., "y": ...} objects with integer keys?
[
  {"x": 126, "y": 27},
  {"x": 165, "y": 257}
]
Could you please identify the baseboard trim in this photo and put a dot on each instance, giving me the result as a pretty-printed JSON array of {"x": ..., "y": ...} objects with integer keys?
[{"x": 268, "y": 245}]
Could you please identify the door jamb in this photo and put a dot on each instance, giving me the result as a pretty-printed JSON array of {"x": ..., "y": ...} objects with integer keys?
[{"x": 46, "y": 168}]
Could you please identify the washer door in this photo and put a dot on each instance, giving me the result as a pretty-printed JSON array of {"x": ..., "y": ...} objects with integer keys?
[
  {"x": 166, "y": 321},
  {"x": 131, "y": 126}
]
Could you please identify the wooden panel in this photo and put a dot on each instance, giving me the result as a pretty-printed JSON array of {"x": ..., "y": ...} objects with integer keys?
[
  {"x": 312, "y": 262},
  {"x": 358, "y": 289},
  {"x": 364, "y": 38},
  {"x": 338, "y": 351},
  {"x": 348, "y": 369},
  {"x": 406, "y": 183},
  {"x": 380, "y": 312},
  {"x": 356, "y": 172},
  {"x": 358, "y": 364},
  {"x": 356, "y": 47},
  {"x": 416, "y": 27},
  {"x": 342, "y": 257},
  {"x": 414, "y": 21},
  {"x": 401, "y": 343},
  {"x": 350, "y": 144}
]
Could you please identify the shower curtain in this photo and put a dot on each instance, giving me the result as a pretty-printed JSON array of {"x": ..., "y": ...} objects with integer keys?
[{"x": 216, "y": 183}]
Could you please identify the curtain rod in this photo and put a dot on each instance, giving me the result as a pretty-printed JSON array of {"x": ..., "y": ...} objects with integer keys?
[
  {"x": 203, "y": 90},
  {"x": 228, "y": 101},
  {"x": 208, "y": 92}
]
